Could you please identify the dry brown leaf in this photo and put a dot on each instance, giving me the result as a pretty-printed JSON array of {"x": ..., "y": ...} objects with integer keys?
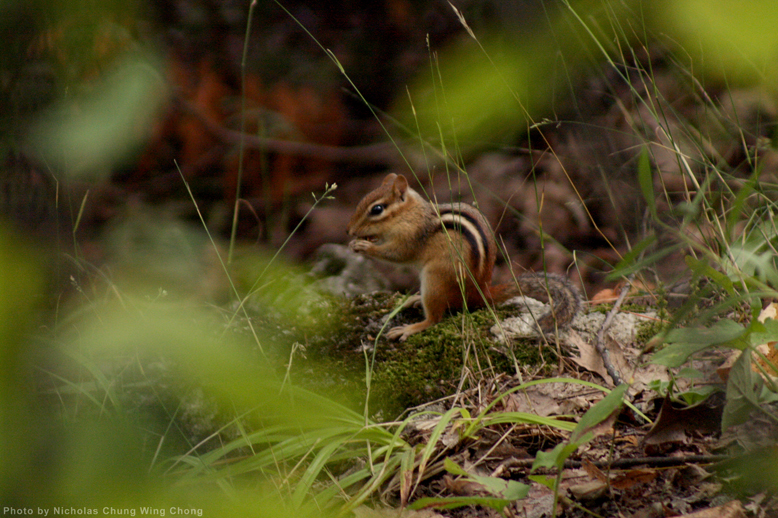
[
  {"x": 590, "y": 359},
  {"x": 547, "y": 399},
  {"x": 405, "y": 487},
  {"x": 771, "y": 311},
  {"x": 593, "y": 470},
  {"x": 538, "y": 503},
  {"x": 532, "y": 401},
  {"x": 647, "y": 373},
  {"x": 604, "y": 296},
  {"x": 633, "y": 478},
  {"x": 464, "y": 487},
  {"x": 723, "y": 369},
  {"x": 588, "y": 491},
  {"x": 770, "y": 352},
  {"x": 673, "y": 424},
  {"x": 769, "y": 349}
]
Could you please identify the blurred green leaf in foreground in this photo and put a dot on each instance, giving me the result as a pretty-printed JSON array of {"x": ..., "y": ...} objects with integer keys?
[
  {"x": 73, "y": 434},
  {"x": 91, "y": 134}
]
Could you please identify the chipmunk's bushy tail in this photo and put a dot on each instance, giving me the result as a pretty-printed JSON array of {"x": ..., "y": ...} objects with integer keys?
[{"x": 562, "y": 296}]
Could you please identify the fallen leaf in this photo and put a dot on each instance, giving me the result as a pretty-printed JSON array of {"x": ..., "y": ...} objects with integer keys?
[
  {"x": 588, "y": 491},
  {"x": 591, "y": 360},
  {"x": 731, "y": 357},
  {"x": 547, "y": 399},
  {"x": 771, "y": 311},
  {"x": 673, "y": 424},
  {"x": 620, "y": 480},
  {"x": 633, "y": 478},
  {"x": 463, "y": 487},
  {"x": 604, "y": 296},
  {"x": 593, "y": 470}
]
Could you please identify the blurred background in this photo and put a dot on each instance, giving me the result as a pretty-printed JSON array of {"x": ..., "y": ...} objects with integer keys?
[{"x": 547, "y": 106}]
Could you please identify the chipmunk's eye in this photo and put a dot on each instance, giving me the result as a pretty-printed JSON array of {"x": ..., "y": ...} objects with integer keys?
[{"x": 376, "y": 209}]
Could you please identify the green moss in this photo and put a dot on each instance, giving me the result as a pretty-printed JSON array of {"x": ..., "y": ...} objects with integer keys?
[
  {"x": 429, "y": 365},
  {"x": 606, "y": 308},
  {"x": 648, "y": 330}
]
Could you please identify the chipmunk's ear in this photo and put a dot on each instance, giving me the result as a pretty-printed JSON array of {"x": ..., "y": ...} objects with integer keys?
[
  {"x": 400, "y": 186},
  {"x": 389, "y": 179}
]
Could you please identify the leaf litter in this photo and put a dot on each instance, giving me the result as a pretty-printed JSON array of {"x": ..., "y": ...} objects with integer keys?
[{"x": 662, "y": 467}]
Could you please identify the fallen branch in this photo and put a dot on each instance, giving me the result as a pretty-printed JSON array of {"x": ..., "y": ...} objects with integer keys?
[
  {"x": 384, "y": 153},
  {"x": 654, "y": 462},
  {"x": 600, "y": 342}
]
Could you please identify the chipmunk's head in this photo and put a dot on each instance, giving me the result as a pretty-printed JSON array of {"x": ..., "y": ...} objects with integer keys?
[{"x": 379, "y": 207}]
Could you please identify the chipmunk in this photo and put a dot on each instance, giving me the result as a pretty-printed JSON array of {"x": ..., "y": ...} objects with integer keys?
[{"x": 455, "y": 250}]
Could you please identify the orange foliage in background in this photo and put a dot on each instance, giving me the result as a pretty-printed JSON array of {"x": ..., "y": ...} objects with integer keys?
[
  {"x": 205, "y": 88},
  {"x": 296, "y": 112},
  {"x": 285, "y": 111}
]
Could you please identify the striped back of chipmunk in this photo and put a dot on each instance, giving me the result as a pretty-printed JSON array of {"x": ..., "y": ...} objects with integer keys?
[{"x": 474, "y": 229}]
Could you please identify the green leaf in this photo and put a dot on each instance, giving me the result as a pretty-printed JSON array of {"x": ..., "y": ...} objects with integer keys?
[
  {"x": 498, "y": 504},
  {"x": 516, "y": 490},
  {"x": 765, "y": 332},
  {"x": 684, "y": 342},
  {"x": 743, "y": 194},
  {"x": 625, "y": 267},
  {"x": 503, "y": 491},
  {"x": 498, "y": 487},
  {"x": 750, "y": 259},
  {"x": 598, "y": 413},
  {"x": 437, "y": 432},
  {"x": 646, "y": 180},
  {"x": 742, "y": 387},
  {"x": 719, "y": 333},
  {"x": 688, "y": 372},
  {"x": 698, "y": 395},
  {"x": 675, "y": 355},
  {"x": 583, "y": 431},
  {"x": 454, "y": 468},
  {"x": 703, "y": 269},
  {"x": 527, "y": 418},
  {"x": 766, "y": 395},
  {"x": 544, "y": 480},
  {"x": 553, "y": 458},
  {"x": 494, "y": 485},
  {"x": 90, "y": 135},
  {"x": 634, "y": 252}
]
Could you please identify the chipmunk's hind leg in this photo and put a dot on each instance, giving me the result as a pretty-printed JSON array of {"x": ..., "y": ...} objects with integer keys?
[{"x": 434, "y": 301}]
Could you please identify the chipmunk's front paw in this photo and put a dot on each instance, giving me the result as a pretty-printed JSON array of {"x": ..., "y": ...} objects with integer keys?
[{"x": 361, "y": 246}]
